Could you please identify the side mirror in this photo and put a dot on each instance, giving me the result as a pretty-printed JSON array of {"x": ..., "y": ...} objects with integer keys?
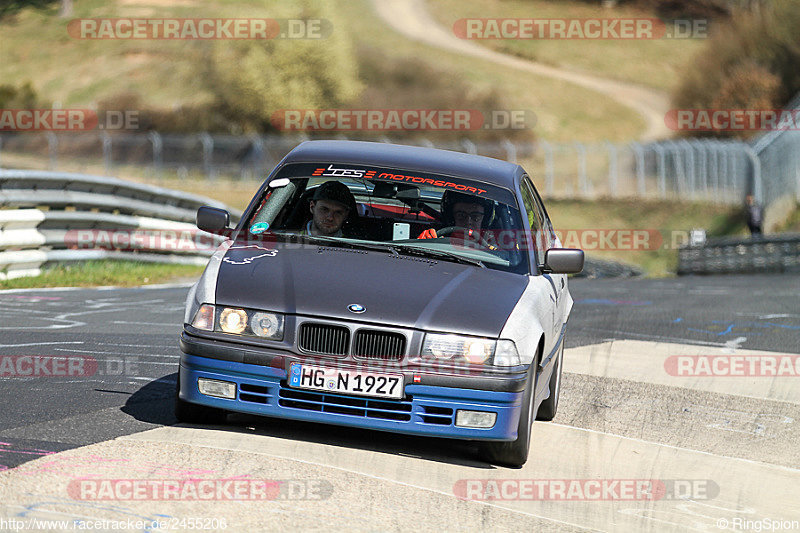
[
  {"x": 212, "y": 219},
  {"x": 563, "y": 261}
]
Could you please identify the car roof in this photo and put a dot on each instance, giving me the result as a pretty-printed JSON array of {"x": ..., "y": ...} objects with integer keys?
[{"x": 429, "y": 160}]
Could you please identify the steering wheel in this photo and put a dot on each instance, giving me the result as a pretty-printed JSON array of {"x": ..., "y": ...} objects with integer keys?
[{"x": 452, "y": 229}]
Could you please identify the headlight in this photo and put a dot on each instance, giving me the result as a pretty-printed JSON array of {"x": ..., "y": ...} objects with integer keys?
[
  {"x": 242, "y": 322},
  {"x": 448, "y": 347},
  {"x": 470, "y": 349},
  {"x": 204, "y": 318},
  {"x": 233, "y": 320},
  {"x": 267, "y": 325}
]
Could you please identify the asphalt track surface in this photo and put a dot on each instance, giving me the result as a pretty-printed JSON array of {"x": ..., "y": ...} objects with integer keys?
[{"x": 622, "y": 416}]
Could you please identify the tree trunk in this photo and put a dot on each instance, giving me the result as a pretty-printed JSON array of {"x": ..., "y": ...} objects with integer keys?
[{"x": 66, "y": 9}]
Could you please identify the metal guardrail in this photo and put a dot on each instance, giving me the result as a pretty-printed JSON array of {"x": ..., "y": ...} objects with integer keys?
[
  {"x": 729, "y": 255},
  {"x": 48, "y": 217},
  {"x": 31, "y": 188},
  {"x": 594, "y": 268}
]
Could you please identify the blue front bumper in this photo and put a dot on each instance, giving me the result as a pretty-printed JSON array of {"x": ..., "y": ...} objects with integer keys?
[{"x": 425, "y": 410}]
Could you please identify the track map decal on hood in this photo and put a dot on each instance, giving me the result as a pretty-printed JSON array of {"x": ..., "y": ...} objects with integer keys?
[{"x": 249, "y": 260}]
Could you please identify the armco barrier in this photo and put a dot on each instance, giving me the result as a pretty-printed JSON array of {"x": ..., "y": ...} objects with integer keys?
[
  {"x": 50, "y": 217},
  {"x": 594, "y": 268},
  {"x": 779, "y": 253}
]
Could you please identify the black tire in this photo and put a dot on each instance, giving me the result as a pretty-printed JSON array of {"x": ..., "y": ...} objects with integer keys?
[
  {"x": 514, "y": 454},
  {"x": 191, "y": 413},
  {"x": 548, "y": 408}
]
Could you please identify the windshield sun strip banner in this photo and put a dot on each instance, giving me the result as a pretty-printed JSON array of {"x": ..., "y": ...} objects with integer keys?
[{"x": 346, "y": 171}]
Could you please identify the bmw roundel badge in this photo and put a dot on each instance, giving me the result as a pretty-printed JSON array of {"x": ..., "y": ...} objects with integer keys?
[{"x": 356, "y": 308}]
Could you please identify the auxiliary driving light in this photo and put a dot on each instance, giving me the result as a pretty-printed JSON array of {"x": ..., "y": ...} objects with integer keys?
[
  {"x": 475, "y": 419},
  {"x": 233, "y": 320},
  {"x": 216, "y": 388}
]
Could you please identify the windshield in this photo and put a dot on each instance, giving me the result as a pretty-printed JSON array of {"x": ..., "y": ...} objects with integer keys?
[{"x": 394, "y": 211}]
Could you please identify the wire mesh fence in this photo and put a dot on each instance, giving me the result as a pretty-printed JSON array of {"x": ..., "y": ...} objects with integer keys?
[
  {"x": 779, "y": 154},
  {"x": 686, "y": 169}
]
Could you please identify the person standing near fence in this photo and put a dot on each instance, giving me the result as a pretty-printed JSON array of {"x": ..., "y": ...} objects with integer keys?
[{"x": 754, "y": 216}]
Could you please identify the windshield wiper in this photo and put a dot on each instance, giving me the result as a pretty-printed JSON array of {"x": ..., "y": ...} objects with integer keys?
[
  {"x": 335, "y": 241},
  {"x": 387, "y": 246},
  {"x": 414, "y": 250}
]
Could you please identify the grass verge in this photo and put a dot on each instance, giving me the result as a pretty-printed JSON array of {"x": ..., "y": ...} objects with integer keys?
[
  {"x": 656, "y": 63},
  {"x": 668, "y": 225},
  {"x": 792, "y": 224},
  {"x": 104, "y": 273},
  {"x": 80, "y": 73},
  {"x": 564, "y": 112}
]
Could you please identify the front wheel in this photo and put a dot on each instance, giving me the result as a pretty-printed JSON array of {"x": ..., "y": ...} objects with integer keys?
[
  {"x": 548, "y": 408},
  {"x": 514, "y": 454}
]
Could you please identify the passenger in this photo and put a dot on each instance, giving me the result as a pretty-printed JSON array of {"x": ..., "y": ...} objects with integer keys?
[
  {"x": 330, "y": 207},
  {"x": 463, "y": 211}
]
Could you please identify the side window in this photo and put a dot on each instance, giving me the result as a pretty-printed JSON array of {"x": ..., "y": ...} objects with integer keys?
[
  {"x": 548, "y": 234},
  {"x": 534, "y": 213}
]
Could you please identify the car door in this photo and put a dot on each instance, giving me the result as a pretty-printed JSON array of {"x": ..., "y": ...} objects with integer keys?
[
  {"x": 550, "y": 240},
  {"x": 543, "y": 238},
  {"x": 549, "y": 310}
]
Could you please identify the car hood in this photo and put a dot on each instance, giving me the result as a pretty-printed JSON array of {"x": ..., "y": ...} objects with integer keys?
[{"x": 401, "y": 291}]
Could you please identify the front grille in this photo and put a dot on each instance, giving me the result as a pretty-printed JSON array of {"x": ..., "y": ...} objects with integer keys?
[
  {"x": 346, "y": 405},
  {"x": 442, "y": 416},
  {"x": 382, "y": 345},
  {"x": 254, "y": 393},
  {"x": 324, "y": 339}
]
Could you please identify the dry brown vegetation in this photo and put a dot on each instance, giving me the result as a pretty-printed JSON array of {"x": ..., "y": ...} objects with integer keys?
[{"x": 750, "y": 63}]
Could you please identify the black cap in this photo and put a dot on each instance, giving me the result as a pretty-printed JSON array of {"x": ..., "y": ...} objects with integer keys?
[{"x": 337, "y": 192}]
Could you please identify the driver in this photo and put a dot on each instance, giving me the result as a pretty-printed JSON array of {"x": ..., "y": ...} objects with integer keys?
[
  {"x": 330, "y": 206},
  {"x": 463, "y": 211}
]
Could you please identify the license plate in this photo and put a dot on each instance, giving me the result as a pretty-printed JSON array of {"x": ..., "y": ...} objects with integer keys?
[{"x": 322, "y": 378}]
